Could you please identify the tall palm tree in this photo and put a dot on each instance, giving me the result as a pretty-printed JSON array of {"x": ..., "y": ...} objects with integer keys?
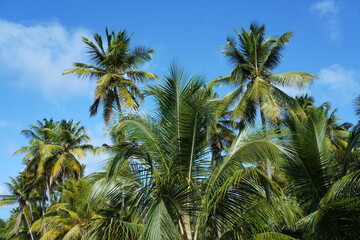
[
  {"x": 63, "y": 155},
  {"x": 40, "y": 135},
  {"x": 254, "y": 57},
  {"x": 115, "y": 67},
  {"x": 20, "y": 193},
  {"x": 54, "y": 152},
  {"x": 161, "y": 173}
]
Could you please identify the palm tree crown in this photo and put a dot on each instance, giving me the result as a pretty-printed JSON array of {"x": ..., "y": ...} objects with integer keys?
[
  {"x": 114, "y": 66},
  {"x": 254, "y": 57}
]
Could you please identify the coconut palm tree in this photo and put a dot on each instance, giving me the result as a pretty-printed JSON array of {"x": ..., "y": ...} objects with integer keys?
[
  {"x": 305, "y": 101},
  {"x": 254, "y": 57},
  {"x": 64, "y": 154},
  {"x": 40, "y": 135},
  {"x": 161, "y": 173},
  {"x": 68, "y": 218},
  {"x": 115, "y": 67},
  {"x": 20, "y": 193},
  {"x": 222, "y": 134},
  {"x": 54, "y": 152},
  {"x": 320, "y": 180}
]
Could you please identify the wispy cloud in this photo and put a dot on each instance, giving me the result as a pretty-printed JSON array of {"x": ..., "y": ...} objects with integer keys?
[
  {"x": 337, "y": 84},
  {"x": 36, "y": 55},
  {"x": 328, "y": 13}
]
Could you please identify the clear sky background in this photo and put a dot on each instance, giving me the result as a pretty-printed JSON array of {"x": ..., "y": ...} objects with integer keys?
[{"x": 40, "y": 39}]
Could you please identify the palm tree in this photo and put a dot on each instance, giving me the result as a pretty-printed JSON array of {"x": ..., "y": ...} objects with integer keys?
[
  {"x": 54, "y": 152},
  {"x": 321, "y": 180},
  {"x": 68, "y": 218},
  {"x": 63, "y": 155},
  {"x": 221, "y": 137},
  {"x": 20, "y": 193},
  {"x": 254, "y": 58},
  {"x": 305, "y": 101},
  {"x": 115, "y": 69},
  {"x": 40, "y": 135},
  {"x": 160, "y": 172}
]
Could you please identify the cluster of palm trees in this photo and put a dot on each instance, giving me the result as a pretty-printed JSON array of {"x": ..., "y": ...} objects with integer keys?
[{"x": 199, "y": 167}]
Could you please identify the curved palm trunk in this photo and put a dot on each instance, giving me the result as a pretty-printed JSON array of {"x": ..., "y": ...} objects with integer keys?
[
  {"x": 22, "y": 205},
  {"x": 29, "y": 226}
]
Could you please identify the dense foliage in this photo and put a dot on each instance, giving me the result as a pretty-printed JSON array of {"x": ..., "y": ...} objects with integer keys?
[{"x": 257, "y": 164}]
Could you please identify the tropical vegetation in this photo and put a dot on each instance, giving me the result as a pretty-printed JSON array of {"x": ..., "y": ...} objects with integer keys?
[{"x": 257, "y": 164}]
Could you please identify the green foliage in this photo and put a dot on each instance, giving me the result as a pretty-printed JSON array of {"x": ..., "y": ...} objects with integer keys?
[
  {"x": 197, "y": 168},
  {"x": 116, "y": 71},
  {"x": 2, "y": 229},
  {"x": 254, "y": 57}
]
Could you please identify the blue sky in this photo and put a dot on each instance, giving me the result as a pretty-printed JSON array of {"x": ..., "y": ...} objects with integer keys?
[{"x": 40, "y": 39}]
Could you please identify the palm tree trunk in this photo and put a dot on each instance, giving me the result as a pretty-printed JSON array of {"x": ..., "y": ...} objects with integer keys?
[
  {"x": 48, "y": 193},
  {"x": 29, "y": 225},
  {"x": 216, "y": 149},
  {"x": 43, "y": 203},
  {"x": 31, "y": 212},
  {"x": 268, "y": 170},
  {"x": 187, "y": 227},
  {"x": 117, "y": 100}
]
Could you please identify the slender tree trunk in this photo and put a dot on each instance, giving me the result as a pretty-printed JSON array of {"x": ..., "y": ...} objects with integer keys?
[
  {"x": 117, "y": 100},
  {"x": 122, "y": 202},
  {"x": 31, "y": 211},
  {"x": 43, "y": 203},
  {"x": 29, "y": 225},
  {"x": 48, "y": 193},
  {"x": 268, "y": 169},
  {"x": 187, "y": 230},
  {"x": 216, "y": 149},
  {"x": 63, "y": 180}
]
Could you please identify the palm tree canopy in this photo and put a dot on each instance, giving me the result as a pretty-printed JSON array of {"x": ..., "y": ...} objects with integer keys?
[
  {"x": 115, "y": 67},
  {"x": 254, "y": 57}
]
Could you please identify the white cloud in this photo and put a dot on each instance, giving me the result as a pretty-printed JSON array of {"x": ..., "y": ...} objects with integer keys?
[
  {"x": 337, "y": 84},
  {"x": 36, "y": 55},
  {"x": 327, "y": 11},
  {"x": 325, "y": 7}
]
